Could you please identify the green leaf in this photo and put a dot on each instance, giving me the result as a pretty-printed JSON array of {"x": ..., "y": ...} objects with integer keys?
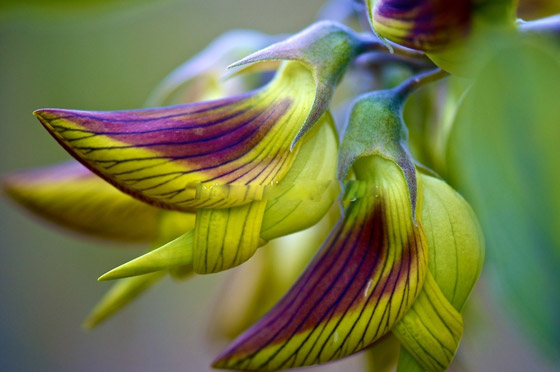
[{"x": 504, "y": 154}]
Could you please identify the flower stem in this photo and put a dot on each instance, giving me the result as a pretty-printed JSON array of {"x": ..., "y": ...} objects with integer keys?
[
  {"x": 385, "y": 46},
  {"x": 549, "y": 26},
  {"x": 417, "y": 81}
]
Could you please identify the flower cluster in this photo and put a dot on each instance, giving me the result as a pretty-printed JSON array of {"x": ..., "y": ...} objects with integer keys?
[{"x": 209, "y": 182}]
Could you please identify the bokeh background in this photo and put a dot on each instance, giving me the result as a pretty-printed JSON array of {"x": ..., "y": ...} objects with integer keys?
[{"x": 105, "y": 55}]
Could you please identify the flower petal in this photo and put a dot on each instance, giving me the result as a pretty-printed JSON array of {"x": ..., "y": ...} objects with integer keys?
[
  {"x": 120, "y": 295},
  {"x": 455, "y": 240},
  {"x": 431, "y": 330},
  {"x": 173, "y": 254},
  {"x": 421, "y": 24},
  {"x": 163, "y": 155},
  {"x": 407, "y": 363},
  {"x": 71, "y": 196},
  {"x": 363, "y": 280},
  {"x": 299, "y": 201},
  {"x": 307, "y": 192},
  {"x": 224, "y": 238}
]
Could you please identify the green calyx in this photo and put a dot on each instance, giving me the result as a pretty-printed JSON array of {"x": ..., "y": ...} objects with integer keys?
[{"x": 376, "y": 127}]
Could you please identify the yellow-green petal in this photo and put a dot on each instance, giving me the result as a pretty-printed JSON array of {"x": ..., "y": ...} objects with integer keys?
[
  {"x": 455, "y": 240},
  {"x": 120, "y": 295},
  {"x": 431, "y": 329},
  {"x": 303, "y": 197},
  {"x": 407, "y": 363},
  {"x": 73, "y": 197},
  {"x": 456, "y": 253},
  {"x": 299, "y": 201},
  {"x": 224, "y": 238},
  {"x": 173, "y": 254}
]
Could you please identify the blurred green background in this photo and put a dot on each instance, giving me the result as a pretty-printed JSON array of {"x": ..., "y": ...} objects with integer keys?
[{"x": 106, "y": 55}]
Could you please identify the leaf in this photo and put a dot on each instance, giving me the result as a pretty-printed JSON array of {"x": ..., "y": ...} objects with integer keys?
[{"x": 503, "y": 154}]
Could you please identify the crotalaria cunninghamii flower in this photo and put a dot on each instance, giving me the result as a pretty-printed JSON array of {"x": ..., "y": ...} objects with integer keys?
[
  {"x": 212, "y": 181},
  {"x": 446, "y": 30},
  {"x": 368, "y": 277},
  {"x": 224, "y": 158},
  {"x": 75, "y": 198}
]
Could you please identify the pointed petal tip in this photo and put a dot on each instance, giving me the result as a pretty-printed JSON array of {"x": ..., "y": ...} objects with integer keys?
[
  {"x": 119, "y": 272},
  {"x": 47, "y": 113},
  {"x": 109, "y": 275},
  {"x": 45, "y": 116},
  {"x": 222, "y": 361}
]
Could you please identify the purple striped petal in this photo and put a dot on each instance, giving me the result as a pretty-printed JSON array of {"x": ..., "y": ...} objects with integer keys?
[
  {"x": 366, "y": 276},
  {"x": 163, "y": 155}
]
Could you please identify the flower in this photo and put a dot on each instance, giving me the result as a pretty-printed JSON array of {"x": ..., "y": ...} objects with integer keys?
[
  {"x": 75, "y": 198},
  {"x": 371, "y": 276},
  {"x": 259, "y": 165},
  {"x": 450, "y": 32},
  {"x": 275, "y": 180},
  {"x": 221, "y": 158}
]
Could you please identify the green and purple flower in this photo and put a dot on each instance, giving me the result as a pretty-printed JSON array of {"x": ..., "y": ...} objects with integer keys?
[{"x": 207, "y": 183}]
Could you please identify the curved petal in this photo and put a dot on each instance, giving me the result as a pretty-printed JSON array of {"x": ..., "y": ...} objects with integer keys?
[
  {"x": 71, "y": 196},
  {"x": 307, "y": 192},
  {"x": 299, "y": 201},
  {"x": 120, "y": 295},
  {"x": 224, "y": 238},
  {"x": 170, "y": 156},
  {"x": 421, "y": 24},
  {"x": 455, "y": 240},
  {"x": 432, "y": 329},
  {"x": 366, "y": 276}
]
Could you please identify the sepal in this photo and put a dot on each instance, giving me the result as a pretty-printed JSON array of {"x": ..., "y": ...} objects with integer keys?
[{"x": 376, "y": 127}]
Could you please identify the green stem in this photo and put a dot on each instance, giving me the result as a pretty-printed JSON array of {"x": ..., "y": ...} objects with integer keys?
[
  {"x": 385, "y": 46},
  {"x": 549, "y": 26},
  {"x": 418, "y": 81}
]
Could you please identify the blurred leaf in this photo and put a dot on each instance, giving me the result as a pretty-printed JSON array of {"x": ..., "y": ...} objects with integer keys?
[{"x": 503, "y": 153}]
